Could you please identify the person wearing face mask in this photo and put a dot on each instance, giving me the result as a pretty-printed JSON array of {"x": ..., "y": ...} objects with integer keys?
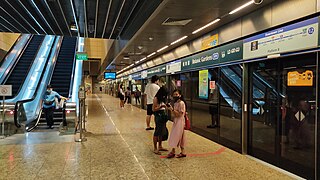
[
  {"x": 177, "y": 136},
  {"x": 49, "y": 105}
]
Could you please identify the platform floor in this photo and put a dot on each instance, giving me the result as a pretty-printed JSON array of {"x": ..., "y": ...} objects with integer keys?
[{"x": 119, "y": 147}]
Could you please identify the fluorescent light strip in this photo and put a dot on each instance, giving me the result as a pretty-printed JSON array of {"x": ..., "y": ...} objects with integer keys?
[
  {"x": 241, "y": 7},
  {"x": 22, "y": 17},
  {"x": 30, "y": 15},
  {"x": 106, "y": 21},
  {"x": 117, "y": 19},
  {"x": 215, "y": 21},
  {"x": 165, "y": 47},
  {"x": 151, "y": 54},
  {"x": 53, "y": 16},
  {"x": 15, "y": 20},
  {"x": 179, "y": 40},
  {"x": 85, "y": 32},
  {"x": 9, "y": 23},
  {"x": 96, "y": 19},
  {"x": 45, "y": 20},
  {"x": 64, "y": 17}
]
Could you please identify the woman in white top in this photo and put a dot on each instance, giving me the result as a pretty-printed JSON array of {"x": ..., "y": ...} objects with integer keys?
[{"x": 121, "y": 96}]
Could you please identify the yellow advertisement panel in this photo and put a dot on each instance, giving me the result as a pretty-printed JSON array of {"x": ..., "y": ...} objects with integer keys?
[
  {"x": 209, "y": 42},
  {"x": 300, "y": 79}
]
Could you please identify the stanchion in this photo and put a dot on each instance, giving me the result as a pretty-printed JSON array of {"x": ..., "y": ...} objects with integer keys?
[
  {"x": 3, "y": 118},
  {"x": 81, "y": 119}
]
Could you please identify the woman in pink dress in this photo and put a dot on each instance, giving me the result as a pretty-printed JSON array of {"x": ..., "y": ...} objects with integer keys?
[{"x": 177, "y": 136}]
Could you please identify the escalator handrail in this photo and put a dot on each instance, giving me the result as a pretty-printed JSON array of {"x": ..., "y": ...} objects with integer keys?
[
  {"x": 38, "y": 119},
  {"x": 28, "y": 68},
  {"x": 13, "y": 45},
  {"x": 18, "y": 124},
  {"x": 73, "y": 69},
  {"x": 17, "y": 60}
]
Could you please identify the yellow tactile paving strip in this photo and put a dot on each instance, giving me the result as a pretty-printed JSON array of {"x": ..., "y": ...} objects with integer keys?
[{"x": 118, "y": 147}]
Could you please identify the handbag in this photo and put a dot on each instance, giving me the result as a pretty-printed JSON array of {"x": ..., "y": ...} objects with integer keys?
[{"x": 187, "y": 125}]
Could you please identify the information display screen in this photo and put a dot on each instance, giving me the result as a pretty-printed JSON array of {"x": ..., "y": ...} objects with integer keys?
[{"x": 109, "y": 75}]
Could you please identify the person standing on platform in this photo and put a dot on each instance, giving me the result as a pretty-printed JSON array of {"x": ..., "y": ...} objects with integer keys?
[
  {"x": 49, "y": 105},
  {"x": 161, "y": 118},
  {"x": 137, "y": 95},
  {"x": 121, "y": 95},
  {"x": 128, "y": 96},
  {"x": 177, "y": 136},
  {"x": 151, "y": 91}
]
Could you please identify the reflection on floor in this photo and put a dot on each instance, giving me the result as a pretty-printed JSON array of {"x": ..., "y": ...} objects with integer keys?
[{"x": 118, "y": 147}]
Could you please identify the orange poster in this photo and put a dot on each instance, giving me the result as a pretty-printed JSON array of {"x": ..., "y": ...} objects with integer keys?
[
  {"x": 209, "y": 42},
  {"x": 300, "y": 79}
]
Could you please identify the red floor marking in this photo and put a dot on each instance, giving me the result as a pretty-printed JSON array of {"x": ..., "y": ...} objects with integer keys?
[{"x": 219, "y": 151}]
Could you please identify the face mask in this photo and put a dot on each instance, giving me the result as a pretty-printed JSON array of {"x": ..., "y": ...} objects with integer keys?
[
  {"x": 176, "y": 98},
  {"x": 49, "y": 91}
]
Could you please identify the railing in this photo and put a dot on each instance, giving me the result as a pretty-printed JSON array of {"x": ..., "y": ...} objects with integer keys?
[
  {"x": 7, "y": 68},
  {"x": 19, "y": 106},
  {"x": 73, "y": 70}
]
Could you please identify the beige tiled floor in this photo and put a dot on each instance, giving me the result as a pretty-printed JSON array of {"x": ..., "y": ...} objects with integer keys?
[{"x": 118, "y": 147}]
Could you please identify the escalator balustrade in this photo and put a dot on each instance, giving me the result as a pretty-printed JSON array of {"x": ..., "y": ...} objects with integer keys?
[{"x": 21, "y": 69}]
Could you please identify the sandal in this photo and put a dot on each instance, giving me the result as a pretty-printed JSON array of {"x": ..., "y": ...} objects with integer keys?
[
  {"x": 170, "y": 155},
  {"x": 157, "y": 152},
  {"x": 181, "y": 155}
]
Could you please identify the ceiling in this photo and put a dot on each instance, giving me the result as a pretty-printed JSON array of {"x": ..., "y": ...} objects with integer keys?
[
  {"x": 90, "y": 18},
  {"x": 131, "y": 22},
  {"x": 200, "y": 11}
]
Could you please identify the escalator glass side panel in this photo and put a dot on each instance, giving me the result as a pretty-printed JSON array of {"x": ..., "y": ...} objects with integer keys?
[
  {"x": 12, "y": 56},
  {"x": 20, "y": 71}
]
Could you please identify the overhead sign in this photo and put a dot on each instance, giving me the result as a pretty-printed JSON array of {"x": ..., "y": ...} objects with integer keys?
[
  {"x": 144, "y": 74},
  {"x": 5, "y": 90},
  {"x": 173, "y": 67},
  {"x": 209, "y": 41},
  {"x": 82, "y": 56},
  {"x": 300, "y": 79},
  {"x": 226, "y": 53},
  {"x": 159, "y": 70},
  {"x": 298, "y": 36}
]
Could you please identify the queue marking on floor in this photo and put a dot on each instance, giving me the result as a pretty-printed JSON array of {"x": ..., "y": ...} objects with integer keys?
[{"x": 219, "y": 151}]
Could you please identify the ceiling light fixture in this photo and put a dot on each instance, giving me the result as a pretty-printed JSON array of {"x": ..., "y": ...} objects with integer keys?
[
  {"x": 126, "y": 57},
  {"x": 241, "y": 7},
  {"x": 209, "y": 24},
  {"x": 179, "y": 40},
  {"x": 73, "y": 28},
  {"x": 165, "y": 47},
  {"x": 151, "y": 54}
]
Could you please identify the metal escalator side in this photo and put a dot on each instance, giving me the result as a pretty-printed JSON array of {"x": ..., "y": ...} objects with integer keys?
[
  {"x": 28, "y": 110},
  {"x": 13, "y": 56},
  {"x": 22, "y": 67}
]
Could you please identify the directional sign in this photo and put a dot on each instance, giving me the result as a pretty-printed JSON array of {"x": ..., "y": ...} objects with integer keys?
[
  {"x": 300, "y": 116},
  {"x": 5, "y": 90}
]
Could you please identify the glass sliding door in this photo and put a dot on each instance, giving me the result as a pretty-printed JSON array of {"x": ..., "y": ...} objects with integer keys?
[
  {"x": 230, "y": 88},
  {"x": 282, "y": 114}
]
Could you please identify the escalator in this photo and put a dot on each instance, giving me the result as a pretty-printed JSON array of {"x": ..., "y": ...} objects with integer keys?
[
  {"x": 61, "y": 77},
  {"x": 22, "y": 67}
]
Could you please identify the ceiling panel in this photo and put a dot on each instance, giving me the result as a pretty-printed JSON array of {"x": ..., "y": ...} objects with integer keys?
[{"x": 107, "y": 20}]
